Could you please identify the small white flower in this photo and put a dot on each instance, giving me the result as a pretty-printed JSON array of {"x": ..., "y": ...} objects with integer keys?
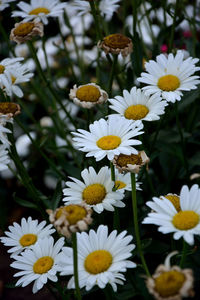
[
  {"x": 108, "y": 138},
  {"x": 95, "y": 190},
  {"x": 4, "y": 4},
  {"x": 137, "y": 106},
  {"x": 5, "y": 66},
  {"x": 169, "y": 76},
  {"x": 38, "y": 263},
  {"x": 3, "y": 130},
  {"x": 20, "y": 237},
  {"x": 184, "y": 222},
  {"x": 4, "y": 158},
  {"x": 123, "y": 182},
  {"x": 101, "y": 258},
  {"x": 39, "y": 10}
]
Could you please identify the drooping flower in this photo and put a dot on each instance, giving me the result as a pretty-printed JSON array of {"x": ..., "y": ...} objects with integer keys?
[
  {"x": 184, "y": 222},
  {"x": 169, "y": 76},
  {"x": 39, "y": 263},
  {"x": 137, "y": 106},
  {"x": 102, "y": 258},
  {"x": 95, "y": 190},
  {"x": 39, "y": 10},
  {"x": 25, "y": 31},
  {"x": 29, "y": 232},
  {"x": 171, "y": 282},
  {"x": 107, "y": 139}
]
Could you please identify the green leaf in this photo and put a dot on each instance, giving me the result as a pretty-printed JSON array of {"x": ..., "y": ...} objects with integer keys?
[
  {"x": 25, "y": 203},
  {"x": 57, "y": 196}
]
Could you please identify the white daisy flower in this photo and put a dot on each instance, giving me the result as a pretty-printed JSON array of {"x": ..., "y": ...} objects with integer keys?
[
  {"x": 4, "y": 4},
  {"x": 95, "y": 190},
  {"x": 184, "y": 223},
  {"x": 39, "y": 263},
  {"x": 4, "y": 158},
  {"x": 101, "y": 258},
  {"x": 169, "y": 76},
  {"x": 123, "y": 182},
  {"x": 3, "y": 130},
  {"x": 5, "y": 66},
  {"x": 137, "y": 106},
  {"x": 108, "y": 138},
  {"x": 39, "y": 10},
  {"x": 20, "y": 237},
  {"x": 16, "y": 76}
]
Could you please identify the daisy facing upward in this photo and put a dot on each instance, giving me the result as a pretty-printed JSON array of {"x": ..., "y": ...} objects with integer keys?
[{"x": 169, "y": 76}]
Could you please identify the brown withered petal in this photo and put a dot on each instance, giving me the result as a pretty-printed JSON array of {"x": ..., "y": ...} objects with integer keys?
[
  {"x": 9, "y": 109},
  {"x": 23, "y": 32}
]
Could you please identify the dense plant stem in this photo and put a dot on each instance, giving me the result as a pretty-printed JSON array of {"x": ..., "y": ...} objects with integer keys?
[
  {"x": 135, "y": 6},
  {"x": 173, "y": 27},
  {"x": 184, "y": 254},
  {"x": 112, "y": 170},
  {"x": 75, "y": 261},
  {"x": 136, "y": 227},
  {"x": 111, "y": 78}
]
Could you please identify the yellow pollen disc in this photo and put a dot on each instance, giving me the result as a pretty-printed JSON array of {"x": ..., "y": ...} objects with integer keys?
[
  {"x": 119, "y": 184},
  {"x": 88, "y": 93},
  {"x": 169, "y": 283},
  {"x": 8, "y": 107},
  {"x": 133, "y": 159},
  {"x": 28, "y": 239},
  {"x": 24, "y": 29},
  {"x": 116, "y": 41},
  {"x": 98, "y": 261},
  {"x": 168, "y": 83},
  {"x": 73, "y": 213},
  {"x": 43, "y": 265},
  {"x": 136, "y": 112},
  {"x": 39, "y": 10},
  {"x": 94, "y": 193},
  {"x": 185, "y": 220},
  {"x": 109, "y": 142},
  {"x": 175, "y": 200},
  {"x": 2, "y": 68}
]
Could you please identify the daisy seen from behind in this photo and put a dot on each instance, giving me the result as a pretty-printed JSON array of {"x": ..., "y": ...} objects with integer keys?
[
  {"x": 137, "y": 106},
  {"x": 26, "y": 234},
  {"x": 95, "y": 190},
  {"x": 39, "y": 263},
  {"x": 184, "y": 222},
  {"x": 102, "y": 258},
  {"x": 108, "y": 138},
  {"x": 169, "y": 76},
  {"x": 39, "y": 10}
]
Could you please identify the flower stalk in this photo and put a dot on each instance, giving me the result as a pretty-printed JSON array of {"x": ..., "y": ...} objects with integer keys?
[{"x": 75, "y": 261}]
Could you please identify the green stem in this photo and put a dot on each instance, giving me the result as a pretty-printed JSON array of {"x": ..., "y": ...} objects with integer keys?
[
  {"x": 135, "y": 217},
  {"x": 112, "y": 170},
  {"x": 99, "y": 34},
  {"x": 75, "y": 261},
  {"x": 184, "y": 254},
  {"x": 135, "y": 6},
  {"x": 110, "y": 83},
  {"x": 173, "y": 27}
]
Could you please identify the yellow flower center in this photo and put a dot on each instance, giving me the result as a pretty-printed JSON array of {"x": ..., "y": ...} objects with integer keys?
[
  {"x": 109, "y": 142},
  {"x": 119, "y": 184},
  {"x": 94, "y": 193},
  {"x": 8, "y": 107},
  {"x": 116, "y": 41},
  {"x": 98, "y": 261},
  {"x": 133, "y": 159},
  {"x": 175, "y": 200},
  {"x": 24, "y": 29},
  {"x": 88, "y": 93},
  {"x": 185, "y": 220},
  {"x": 73, "y": 213},
  {"x": 39, "y": 10},
  {"x": 169, "y": 283},
  {"x": 136, "y": 112},
  {"x": 168, "y": 83},
  {"x": 2, "y": 68},
  {"x": 28, "y": 239},
  {"x": 43, "y": 265}
]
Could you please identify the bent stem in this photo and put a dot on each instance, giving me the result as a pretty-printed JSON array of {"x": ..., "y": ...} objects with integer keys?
[
  {"x": 75, "y": 261},
  {"x": 135, "y": 217},
  {"x": 184, "y": 254}
]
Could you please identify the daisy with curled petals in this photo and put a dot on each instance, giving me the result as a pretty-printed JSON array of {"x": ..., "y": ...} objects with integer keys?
[
  {"x": 185, "y": 222},
  {"x": 95, "y": 190},
  {"x": 137, "y": 106},
  {"x": 108, "y": 138},
  {"x": 169, "y": 76},
  {"x": 4, "y": 4},
  {"x": 123, "y": 182},
  {"x": 102, "y": 258},
  {"x": 39, "y": 263},
  {"x": 39, "y": 10},
  {"x": 4, "y": 159},
  {"x": 20, "y": 237}
]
